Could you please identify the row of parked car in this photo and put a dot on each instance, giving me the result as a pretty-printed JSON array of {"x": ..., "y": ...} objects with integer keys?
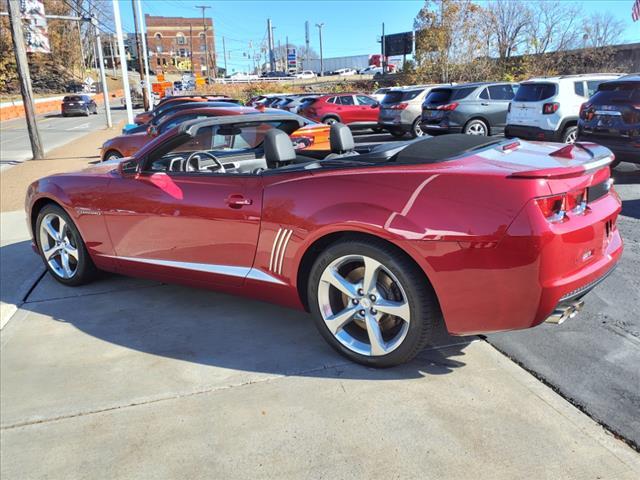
[{"x": 600, "y": 108}]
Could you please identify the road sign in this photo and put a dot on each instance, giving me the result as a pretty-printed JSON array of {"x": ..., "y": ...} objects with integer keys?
[{"x": 398, "y": 44}]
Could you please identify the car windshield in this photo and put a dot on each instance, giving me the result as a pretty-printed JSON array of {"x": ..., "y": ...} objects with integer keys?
[{"x": 535, "y": 92}]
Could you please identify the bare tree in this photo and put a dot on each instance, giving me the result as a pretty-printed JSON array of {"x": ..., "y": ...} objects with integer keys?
[
  {"x": 601, "y": 29},
  {"x": 554, "y": 26},
  {"x": 508, "y": 22}
]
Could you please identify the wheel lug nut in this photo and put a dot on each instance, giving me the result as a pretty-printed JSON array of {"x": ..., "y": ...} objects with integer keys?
[
  {"x": 372, "y": 297},
  {"x": 360, "y": 291},
  {"x": 362, "y": 312},
  {"x": 355, "y": 301},
  {"x": 373, "y": 311}
]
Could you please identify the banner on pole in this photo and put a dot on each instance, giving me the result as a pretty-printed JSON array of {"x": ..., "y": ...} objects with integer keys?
[{"x": 34, "y": 24}]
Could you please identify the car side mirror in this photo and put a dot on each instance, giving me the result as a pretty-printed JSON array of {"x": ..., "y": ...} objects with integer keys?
[
  {"x": 152, "y": 131},
  {"x": 375, "y": 105},
  {"x": 128, "y": 168}
]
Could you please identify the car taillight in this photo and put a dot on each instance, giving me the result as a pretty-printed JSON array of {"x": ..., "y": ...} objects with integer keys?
[
  {"x": 509, "y": 107},
  {"x": 448, "y": 106},
  {"x": 549, "y": 108},
  {"x": 555, "y": 207},
  {"x": 583, "y": 108},
  {"x": 399, "y": 106}
]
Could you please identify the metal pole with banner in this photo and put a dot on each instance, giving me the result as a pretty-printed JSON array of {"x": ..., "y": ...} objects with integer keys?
[
  {"x": 34, "y": 24},
  {"x": 143, "y": 35}
]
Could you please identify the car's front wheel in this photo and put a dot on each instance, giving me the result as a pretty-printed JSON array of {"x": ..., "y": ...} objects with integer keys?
[
  {"x": 476, "y": 127},
  {"x": 112, "y": 155},
  {"x": 570, "y": 134},
  {"x": 372, "y": 303},
  {"x": 416, "y": 131},
  {"x": 62, "y": 248}
]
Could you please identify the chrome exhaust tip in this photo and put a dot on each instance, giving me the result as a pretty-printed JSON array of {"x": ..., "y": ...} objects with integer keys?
[{"x": 566, "y": 312}]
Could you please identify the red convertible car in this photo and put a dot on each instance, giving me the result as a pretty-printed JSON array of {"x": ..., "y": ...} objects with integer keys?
[{"x": 379, "y": 244}]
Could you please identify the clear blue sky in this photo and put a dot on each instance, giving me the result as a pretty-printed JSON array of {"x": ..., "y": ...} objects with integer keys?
[{"x": 351, "y": 27}]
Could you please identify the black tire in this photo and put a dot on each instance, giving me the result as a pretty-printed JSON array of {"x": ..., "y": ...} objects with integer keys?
[
  {"x": 569, "y": 134},
  {"x": 416, "y": 130},
  {"x": 85, "y": 270},
  {"x": 64, "y": 114},
  {"x": 475, "y": 126},
  {"x": 330, "y": 120},
  {"x": 424, "y": 310},
  {"x": 396, "y": 132},
  {"x": 111, "y": 155}
]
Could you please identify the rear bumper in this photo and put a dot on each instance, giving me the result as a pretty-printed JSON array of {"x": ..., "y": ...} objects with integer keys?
[
  {"x": 625, "y": 151},
  {"x": 440, "y": 128},
  {"x": 532, "y": 133},
  {"x": 72, "y": 110}
]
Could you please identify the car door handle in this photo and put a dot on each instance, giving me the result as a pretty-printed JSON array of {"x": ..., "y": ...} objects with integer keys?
[
  {"x": 484, "y": 104},
  {"x": 238, "y": 201}
]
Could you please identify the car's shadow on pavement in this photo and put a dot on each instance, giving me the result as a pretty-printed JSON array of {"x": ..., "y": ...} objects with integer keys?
[{"x": 211, "y": 328}]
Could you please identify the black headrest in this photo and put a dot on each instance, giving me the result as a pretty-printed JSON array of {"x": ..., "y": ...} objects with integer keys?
[
  {"x": 278, "y": 147},
  {"x": 341, "y": 138}
]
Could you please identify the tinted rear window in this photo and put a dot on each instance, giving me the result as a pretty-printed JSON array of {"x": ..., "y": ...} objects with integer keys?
[
  {"x": 392, "y": 97},
  {"x": 534, "y": 92},
  {"x": 438, "y": 96},
  {"x": 75, "y": 98},
  {"x": 617, "y": 93}
]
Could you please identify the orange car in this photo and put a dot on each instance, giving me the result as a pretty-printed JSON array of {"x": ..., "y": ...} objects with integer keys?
[{"x": 313, "y": 136}]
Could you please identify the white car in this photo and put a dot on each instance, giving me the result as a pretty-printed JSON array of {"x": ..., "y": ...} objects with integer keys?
[
  {"x": 548, "y": 108},
  {"x": 242, "y": 76},
  {"x": 371, "y": 70},
  {"x": 380, "y": 93},
  {"x": 306, "y": 74},
  {"x": 345, "y": 72}
]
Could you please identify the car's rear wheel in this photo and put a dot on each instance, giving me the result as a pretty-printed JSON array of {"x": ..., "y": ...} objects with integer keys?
[
  {"x": 329, "y": 120},
  {"x": 62, "y": 248},
  {"x": 112, "y": 155},
  {"x": 476, "y": 127},
  {"x": 371, "y": 303},
  {"x": 570, "y": 135},
  {"x": 416, "y": 131}
]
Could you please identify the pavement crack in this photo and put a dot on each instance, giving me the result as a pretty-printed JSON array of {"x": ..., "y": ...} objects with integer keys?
[{"x": 151, "y": 401}]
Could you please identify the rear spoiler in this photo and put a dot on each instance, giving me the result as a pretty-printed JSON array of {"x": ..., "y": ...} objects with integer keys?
[{"x": 599, "y": 157}]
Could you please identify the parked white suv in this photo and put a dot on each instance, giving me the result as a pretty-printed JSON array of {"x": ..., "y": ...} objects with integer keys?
[{"x": 548, "y": 108}]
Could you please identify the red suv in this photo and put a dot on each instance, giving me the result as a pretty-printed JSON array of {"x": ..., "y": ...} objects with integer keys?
[{"x": 354, "y": 109}]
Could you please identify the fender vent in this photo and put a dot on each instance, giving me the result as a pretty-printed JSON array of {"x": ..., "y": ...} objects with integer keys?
[{"x": 278, "y": 249}]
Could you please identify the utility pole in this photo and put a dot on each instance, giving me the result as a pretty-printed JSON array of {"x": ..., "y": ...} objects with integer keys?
[
  {"x": 112, "y": 50},
  {"x": 320, "y": 25},
  {"x": 383, "y": 61},
  {"x": 206, "y": 43},
  {"x": 306, "y": 39},
  {"x": 145, "y": 53},
  {"x": 123, "y": 60},
  {"x": 103, "y": 77},
  {"x": 224, "y": 53},
  {"x": 272, "y": 59},
  {"x": 191, "y": 47},
  {"x": 22, "y": 66},
  {"x": 145, "y": 99}
]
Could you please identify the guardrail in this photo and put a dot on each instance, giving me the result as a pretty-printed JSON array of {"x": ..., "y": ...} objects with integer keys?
[{"x": 326, "y": 78}]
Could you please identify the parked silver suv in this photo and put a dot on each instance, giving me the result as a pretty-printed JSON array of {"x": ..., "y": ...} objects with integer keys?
[{"x": 401, "y": 108}]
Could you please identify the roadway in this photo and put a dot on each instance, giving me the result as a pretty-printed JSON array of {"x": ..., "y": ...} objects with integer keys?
[{"x": 55, "y": 131}]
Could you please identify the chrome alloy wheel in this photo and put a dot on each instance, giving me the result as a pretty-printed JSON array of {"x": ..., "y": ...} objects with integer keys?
[
  {"x": 58, "y": 246},
  {"x": 571, "y": 137},
  {"x": 363, "y": 305},
  {"x": 476, "y": 128}
]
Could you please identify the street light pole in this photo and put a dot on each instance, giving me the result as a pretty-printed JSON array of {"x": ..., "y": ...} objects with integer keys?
[
  {"x": 123, "y": 60},
  {"x": 145, "y": 98},
  {"x": 103, "y": 77},
  {"x": 15, "y": 19},
  {"x": 145, "y": 52},
  {"x": 320, "y": 25}
]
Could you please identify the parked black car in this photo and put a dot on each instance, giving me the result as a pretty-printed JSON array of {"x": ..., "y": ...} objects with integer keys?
[
  {"x": 278, "y": 74},
  {"x": 612, "y": 118},
  {"x": 472, "y": 108},
  {"x": 78, "y": 105}
]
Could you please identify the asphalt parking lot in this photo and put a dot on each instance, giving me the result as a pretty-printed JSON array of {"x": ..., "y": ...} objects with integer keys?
[{"x": 128, "y": 378}]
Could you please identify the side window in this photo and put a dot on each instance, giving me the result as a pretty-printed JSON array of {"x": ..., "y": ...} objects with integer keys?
[
  {"x": 484, "y": 94},
  {"x": 501, "y": 92},
  {"x": 592, "y": 87},
  {"x": 346, "y": 100},
  {"x": 331, "y": 100},
  {"x": 578, "y": 87},
  {"x": 202, "y": 141},
  {"x": 362, "y": 100},
  {"x": 175, "y": 121}
]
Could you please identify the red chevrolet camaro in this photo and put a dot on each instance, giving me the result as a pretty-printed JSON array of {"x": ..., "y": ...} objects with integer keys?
[{"x": 379, "y": 243}]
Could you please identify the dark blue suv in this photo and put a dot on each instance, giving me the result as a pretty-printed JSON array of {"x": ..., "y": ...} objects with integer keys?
[{"x": 612, "y": 118}]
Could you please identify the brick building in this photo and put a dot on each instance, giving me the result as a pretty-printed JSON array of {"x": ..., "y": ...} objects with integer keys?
[{"x": 175, "y": 42}]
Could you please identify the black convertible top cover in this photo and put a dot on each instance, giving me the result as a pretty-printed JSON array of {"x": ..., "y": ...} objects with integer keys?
[{"x": 443, "y": 147}]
